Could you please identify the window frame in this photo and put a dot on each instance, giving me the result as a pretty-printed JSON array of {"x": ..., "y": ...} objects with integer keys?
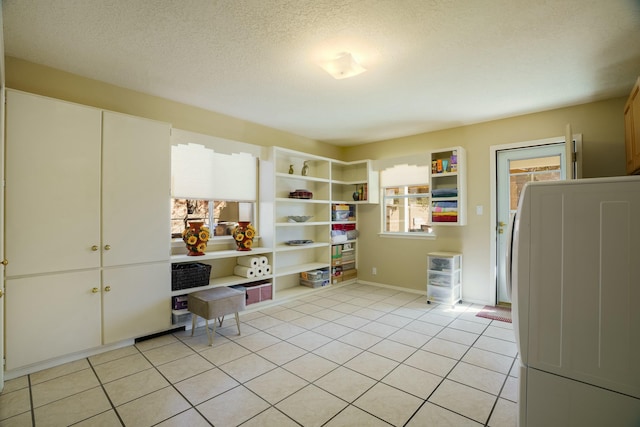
[{"x": 406, "y": 196}]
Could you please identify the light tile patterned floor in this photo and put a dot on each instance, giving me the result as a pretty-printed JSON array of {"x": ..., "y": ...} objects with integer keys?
[{"x": 349, "y": 356}]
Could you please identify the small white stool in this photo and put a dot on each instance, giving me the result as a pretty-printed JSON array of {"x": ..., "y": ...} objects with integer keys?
[{"x": 215, "y": 304}]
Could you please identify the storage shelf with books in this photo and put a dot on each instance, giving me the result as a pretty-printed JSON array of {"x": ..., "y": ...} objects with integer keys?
[
  {"x": 300, "y": 195},
  {"x": 343, "y": 242},
  {"x": 447, "y": 183}
]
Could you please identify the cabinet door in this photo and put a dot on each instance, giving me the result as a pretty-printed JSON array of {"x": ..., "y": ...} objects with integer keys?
[
  {"x": 635, "y": 109},
  {"x": 52, "y": 185},
  {"x": 136, "y": 190},
  {"x": 136, "y": 301},
  {"x": 629, "y": 137},
  {"x": 51, "y": 315}
]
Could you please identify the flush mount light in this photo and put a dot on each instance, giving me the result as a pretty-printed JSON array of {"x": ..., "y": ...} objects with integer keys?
[{"x": 343, "y": 66}]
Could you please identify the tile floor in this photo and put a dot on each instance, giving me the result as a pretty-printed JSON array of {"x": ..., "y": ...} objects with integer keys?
[{"x": 350, "y": 356}]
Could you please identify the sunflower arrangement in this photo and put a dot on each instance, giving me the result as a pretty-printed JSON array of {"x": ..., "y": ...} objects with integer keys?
[
  {"x": 243, "y": 235},
  {"x": 196, "y": 239}
]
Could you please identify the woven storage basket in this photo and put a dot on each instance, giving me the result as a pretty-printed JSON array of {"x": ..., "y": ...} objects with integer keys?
[{"x": 184, "y": 276}]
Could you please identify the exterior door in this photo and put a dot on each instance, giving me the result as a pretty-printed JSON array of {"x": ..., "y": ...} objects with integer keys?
[{"x": 514, "y": 168}]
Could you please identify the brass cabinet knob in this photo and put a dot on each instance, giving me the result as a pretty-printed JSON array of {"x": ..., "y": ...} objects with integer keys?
[
  {"x": 107, "y": 247},
  {"x": 5, "y": 262},
  {"x": 95, "y": 248},
  {"x": 95, "y": 290},
  {"x": 107, "y": 288},
  {"x": 1, "y": 293}
]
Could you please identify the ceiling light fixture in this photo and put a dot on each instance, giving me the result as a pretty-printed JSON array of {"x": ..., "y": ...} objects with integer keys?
[{"x": 343, "y": 66}]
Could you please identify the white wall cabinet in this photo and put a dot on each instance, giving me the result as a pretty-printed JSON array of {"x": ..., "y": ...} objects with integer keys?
[
  {"x": 51, "y": 315},
  {"x": 95, "y": 203},
  {"x": 448, "y": 187},
  {"x": 133, "y": 305},
  {"x": 52, "y": 210}
]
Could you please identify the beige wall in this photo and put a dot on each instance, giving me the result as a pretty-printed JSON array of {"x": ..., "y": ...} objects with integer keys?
[
  {"x": 399, "y": 262},
  {"x": 402, "y": 262},
  {"x": 38, "y": 79}
]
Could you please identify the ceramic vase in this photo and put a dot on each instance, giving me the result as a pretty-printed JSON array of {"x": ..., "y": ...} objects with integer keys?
[
  {"x": 243, "y": 234},
  {"x": 196, "y": 238}
]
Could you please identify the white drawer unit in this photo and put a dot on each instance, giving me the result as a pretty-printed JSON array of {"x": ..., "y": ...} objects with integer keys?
[{"x": 444, "y": 277}]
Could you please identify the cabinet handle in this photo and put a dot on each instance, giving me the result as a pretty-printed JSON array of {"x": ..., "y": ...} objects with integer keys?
[
  {"x": 5, "y": 262},
  {"x": 95, "y": 248},
  {"x": 95, "y": 290},
  {"x": 107, "y": 288},
  {"x": 107, "y": 247},
  {"x": 1, "y": 293}
]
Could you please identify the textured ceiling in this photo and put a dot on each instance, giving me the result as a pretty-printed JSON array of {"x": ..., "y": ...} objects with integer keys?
[{"x": 432, "y": 64}]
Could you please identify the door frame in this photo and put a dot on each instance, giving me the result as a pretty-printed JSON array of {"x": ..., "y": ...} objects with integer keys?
[{"x": 493, "y": 261}]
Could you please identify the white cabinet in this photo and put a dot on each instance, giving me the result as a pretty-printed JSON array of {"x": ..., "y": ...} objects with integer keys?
[
  {"x": 52, "y": 209},
  {"x": 447, "y": 183},
  {"x": 51, "y": 315},
  {"x": 133, "y": 305},
  {"x": 85, "y": 190},
  {"x": 444, "y": 277},
  {"x": 136, "y": 177}
]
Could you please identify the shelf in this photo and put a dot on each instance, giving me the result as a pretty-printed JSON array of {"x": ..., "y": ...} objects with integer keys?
[
  {"x": 292, "y": 200},
  {"x": 300, "y": 177},
  {"x": 297, "y": 291},
  {"x": 342, "y": 243},
  {"x": 299, "y": 224},
  {"x": 219, "y": 255},
  {"x": 222, "y": 281},
  {"x": 285, "y": 248},
  {"x": 443, "y": 174},
  {"x": 285, "y": 271}
]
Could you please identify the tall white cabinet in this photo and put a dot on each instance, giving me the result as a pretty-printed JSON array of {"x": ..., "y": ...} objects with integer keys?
[{"x": 86, "y": 228}]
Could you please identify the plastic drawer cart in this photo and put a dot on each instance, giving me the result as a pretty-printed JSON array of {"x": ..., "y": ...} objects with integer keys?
[{"x": 444, "y": 277}]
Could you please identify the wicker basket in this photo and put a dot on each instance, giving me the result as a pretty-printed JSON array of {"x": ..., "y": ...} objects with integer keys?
[{"x": 192, "y": 275}]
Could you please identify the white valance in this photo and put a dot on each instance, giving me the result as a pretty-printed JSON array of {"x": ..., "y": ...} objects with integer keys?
[
  {"x": 198, "y": 172},
  {"x": 404, "y": 175},
  {"x": 406, "y": 170}
]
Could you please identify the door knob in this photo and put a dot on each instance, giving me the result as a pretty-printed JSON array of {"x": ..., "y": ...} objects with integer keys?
[
  {"x": 107, "y": 247},
  {"x": 107, "y": 288},
  {"x": 95, "y": 248},
  {"x": 4, "y": 262},
  {"x": 1, "y": 293},
  {"x": 95, "y": 290},
  {"x": 501, "y": 224}
]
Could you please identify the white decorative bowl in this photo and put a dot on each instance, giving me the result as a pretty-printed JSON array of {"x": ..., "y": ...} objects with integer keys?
[{"x": 294, "y": 218}]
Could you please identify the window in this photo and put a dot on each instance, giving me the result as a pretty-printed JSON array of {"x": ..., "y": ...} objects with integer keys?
[
  {"x": 405, "y": 196},
  {"x": 220, "y": 216},
  {"x": 406, "y": 209},
  {"x": 201, "y": 187}
]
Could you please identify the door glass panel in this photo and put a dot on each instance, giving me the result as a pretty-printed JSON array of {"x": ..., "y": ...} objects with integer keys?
[{"x": 530, "y": 170}]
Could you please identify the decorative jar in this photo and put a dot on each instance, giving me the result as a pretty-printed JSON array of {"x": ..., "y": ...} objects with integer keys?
[
  {"x": 196, "y": 238},
  {"x": 243, "y": 234}
]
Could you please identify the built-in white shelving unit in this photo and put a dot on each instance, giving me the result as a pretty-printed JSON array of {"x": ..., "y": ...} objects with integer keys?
[
  {"x": 447, "y": 183},
  {"x": 300, "y": 184}
]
